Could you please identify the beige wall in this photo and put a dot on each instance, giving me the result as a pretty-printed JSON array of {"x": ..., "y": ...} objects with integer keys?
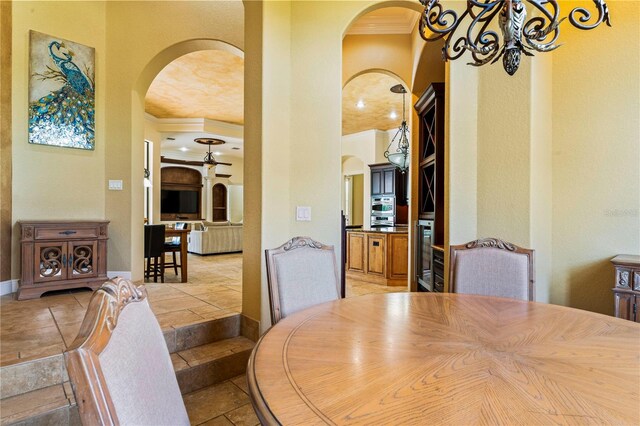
[
  {"x": 5, "y": 141},
  {"x": 596, "y": 152},
  {"x": 51, "y": 182}
]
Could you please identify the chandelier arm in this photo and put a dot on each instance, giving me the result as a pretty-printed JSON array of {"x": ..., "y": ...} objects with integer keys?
[
  {"x": 603, "y": 15},
  {"x": 536, "y": 29},
  {"x": 485, "y": 4},
  {"x": 488, "y": 40},
  {"x": 437, "y": 20}
]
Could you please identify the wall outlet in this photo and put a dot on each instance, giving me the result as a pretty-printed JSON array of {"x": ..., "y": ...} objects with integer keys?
[
  {"x": 303, "y": 213},
  {"x": 115, "y": 185}
]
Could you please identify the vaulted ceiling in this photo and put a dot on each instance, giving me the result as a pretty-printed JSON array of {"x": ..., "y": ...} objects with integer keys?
[{"x": 210, "y": 84}]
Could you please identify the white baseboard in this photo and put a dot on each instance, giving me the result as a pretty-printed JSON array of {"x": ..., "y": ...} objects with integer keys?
[
  {"x": 8, "y": 287},
  {"x": 122, "y": 274}
]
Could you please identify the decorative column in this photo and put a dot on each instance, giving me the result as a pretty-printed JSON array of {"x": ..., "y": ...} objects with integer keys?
[{"x": 209, "y": 175}]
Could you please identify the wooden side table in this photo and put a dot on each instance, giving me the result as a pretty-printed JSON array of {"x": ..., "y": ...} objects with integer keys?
[
  {"x": 58, "y": 255},
  {"x": 626, "y": 292}
]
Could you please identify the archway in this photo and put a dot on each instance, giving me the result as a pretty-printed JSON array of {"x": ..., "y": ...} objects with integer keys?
[{"x": 226, "y": 287}]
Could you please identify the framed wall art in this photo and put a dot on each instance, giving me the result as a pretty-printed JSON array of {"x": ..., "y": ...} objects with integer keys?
[{"x": 61, "y": 92}]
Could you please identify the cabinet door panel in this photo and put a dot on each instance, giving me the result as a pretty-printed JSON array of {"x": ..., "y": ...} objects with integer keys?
[
  {"x": 50, "y": 262},
  {"x": 356, "y": 252},
  {"x": 389, "y": 187},
  {"x": 376, "y": 183},
  {"x": 624, "y": 303},
  {"x": 398, "y": 256},
  {"x": 82, "y": 261},
  {"x": 375, "y": 254}
]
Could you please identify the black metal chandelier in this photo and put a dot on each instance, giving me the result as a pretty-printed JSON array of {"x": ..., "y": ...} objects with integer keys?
[
  {"x": 400, "y": 158},
  {"x": 208, "y": 157},
  {"x": 519, "y": 35}
]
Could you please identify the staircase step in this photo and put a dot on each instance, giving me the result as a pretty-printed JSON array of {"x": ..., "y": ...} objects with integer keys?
[
  {"x": 52, "y": 405},
  {"x": 211, "y": 363},
  {"x": 32, "y": 375},
  {"x": 206, "y": 352}
]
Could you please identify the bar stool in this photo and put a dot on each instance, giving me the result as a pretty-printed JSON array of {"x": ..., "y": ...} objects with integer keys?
[{"x": 154, "y": 250}]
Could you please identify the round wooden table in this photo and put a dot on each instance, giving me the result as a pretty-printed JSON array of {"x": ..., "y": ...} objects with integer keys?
[{"x": 424, "y": 358}]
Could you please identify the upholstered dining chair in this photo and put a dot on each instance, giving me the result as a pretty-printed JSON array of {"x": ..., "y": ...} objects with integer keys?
[
  {"x": 154, "y": 252},
  {"x": 492, "y": 267},
  {"x": 300, "y": 273},
  {"x": 119, "y": 364}
]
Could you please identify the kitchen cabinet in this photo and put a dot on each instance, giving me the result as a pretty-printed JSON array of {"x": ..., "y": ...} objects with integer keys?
[
  {"x": 626, "y": 292},
  {"x": 387, "y": 180},
  {"x": 59, "y": 255},
  {"x": 378, "y": 256}
]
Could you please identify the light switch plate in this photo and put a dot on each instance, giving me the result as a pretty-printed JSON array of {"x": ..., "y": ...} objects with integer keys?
[
  {"x": 303, "y": 213},
  {"x": 115, "y": 185}
]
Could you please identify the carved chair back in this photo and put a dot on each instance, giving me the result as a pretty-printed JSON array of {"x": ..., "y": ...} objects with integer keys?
[
  {"x": 119, "y": 364},
  {"x": 300, "y": 273},
  {"x": 492, "y": 267}
]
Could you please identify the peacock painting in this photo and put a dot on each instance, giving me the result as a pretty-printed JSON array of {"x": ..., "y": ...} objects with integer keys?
[{"x": 61, "y": 92}]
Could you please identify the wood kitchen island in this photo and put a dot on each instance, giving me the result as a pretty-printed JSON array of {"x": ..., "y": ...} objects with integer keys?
[{"x": 378, "y": 255}]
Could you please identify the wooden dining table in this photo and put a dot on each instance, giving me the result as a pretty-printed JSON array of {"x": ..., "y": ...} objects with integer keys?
[
  {"x": 427, "y": 358},
  {"x": 183, "y": 234}
]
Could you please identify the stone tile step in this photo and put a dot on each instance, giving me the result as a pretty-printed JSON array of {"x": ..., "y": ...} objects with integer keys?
[
  {"x": 52, "y": 405},
  {"x": 20, "y": 377},
  {"x": 31, "y": 375},
  {"x": 211, "y": 363},
  {"x": 202, "y": 332}
]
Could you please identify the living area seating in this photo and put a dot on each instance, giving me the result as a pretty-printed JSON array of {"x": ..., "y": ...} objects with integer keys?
[
  {"x": 119, "y": 364},
  {"x": 300, "y": 273},
  {"x": 492, "y": 267},
  {"x": 215, "y": 237}
]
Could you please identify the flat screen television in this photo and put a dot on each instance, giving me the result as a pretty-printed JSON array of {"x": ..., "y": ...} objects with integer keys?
[{"x": 177, "y": 201}]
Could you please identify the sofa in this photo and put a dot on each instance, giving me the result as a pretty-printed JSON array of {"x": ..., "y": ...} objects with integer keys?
[{"x": 215, "y": 237}]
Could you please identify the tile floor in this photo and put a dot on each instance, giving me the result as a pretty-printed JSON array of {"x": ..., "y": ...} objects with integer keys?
[
  {"x": 226, "y": 403},
  {"x": 41, "y": 327}
]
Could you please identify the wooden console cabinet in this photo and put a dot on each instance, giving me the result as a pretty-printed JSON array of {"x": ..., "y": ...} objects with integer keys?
[
  {"x": 626, "y": 292},
  {"x": 377, "y": 257},
  {"x": 58, "y": 255}
]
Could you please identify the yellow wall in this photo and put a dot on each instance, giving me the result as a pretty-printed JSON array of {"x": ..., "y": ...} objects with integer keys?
[
  {"x": 131, "y": 68},
  {"x": 5, "y": 141},
  {"x": 391, "y": 52},
  {"x": 596, "y": 153},
  {"x": 51, "y": 182},
  {"x": 358, "y": 211}
]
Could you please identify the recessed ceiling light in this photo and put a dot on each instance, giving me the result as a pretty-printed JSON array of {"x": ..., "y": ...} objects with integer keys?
[
  {"x": 217, "y": 153},
  {"x": 393, "y": 115},
  {"x": 360, "y": 104},
  {"x": 184, "y": 149}
]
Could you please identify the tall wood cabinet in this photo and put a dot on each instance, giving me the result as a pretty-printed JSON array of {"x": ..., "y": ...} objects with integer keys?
[
  {"x": 431, "y": 172},
  {"x": 626, "y": 293},
  {"x": 58, "y": 255}
]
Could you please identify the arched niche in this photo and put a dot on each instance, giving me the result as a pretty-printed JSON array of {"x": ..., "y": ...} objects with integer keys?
[{"x": 219, "y": 203}]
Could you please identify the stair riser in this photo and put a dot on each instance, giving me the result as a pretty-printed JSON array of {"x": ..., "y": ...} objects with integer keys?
[
  {"x": 32, "y": 375},
  {"x": 200, "y": 376},
  {"x": 61, "y": 416},
  {"x": 202, "y": 333}
]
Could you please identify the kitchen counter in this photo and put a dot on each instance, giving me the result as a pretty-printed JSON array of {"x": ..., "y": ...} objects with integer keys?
[{"x": 384, "y": 230}]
